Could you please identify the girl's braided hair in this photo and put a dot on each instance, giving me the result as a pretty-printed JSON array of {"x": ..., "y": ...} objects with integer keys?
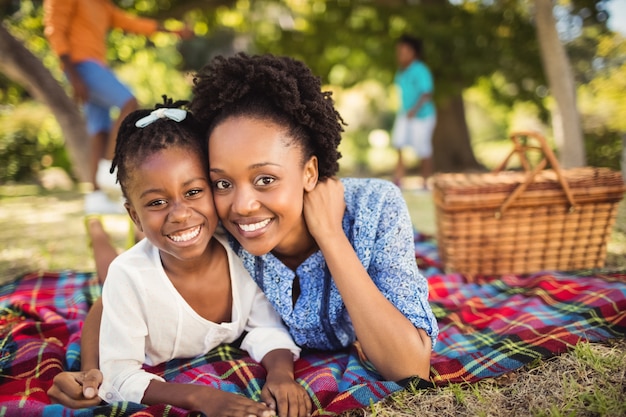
[
  {"x": 135, "y": 144},
  {"x": 279, "y": 89}
]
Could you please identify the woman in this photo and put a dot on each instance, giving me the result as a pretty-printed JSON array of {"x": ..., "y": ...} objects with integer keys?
[{"x": 335, "y": 258}]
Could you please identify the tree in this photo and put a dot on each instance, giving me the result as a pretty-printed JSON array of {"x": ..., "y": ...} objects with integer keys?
[
  {"x": 565, "y": 117},
  {"x": 19, "y": 64},
  {"x": 348, "y": 41}
]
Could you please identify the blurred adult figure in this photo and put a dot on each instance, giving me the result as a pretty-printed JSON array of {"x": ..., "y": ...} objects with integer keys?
[
  {"x": 416, "y": 117},
  {"x": 77, "y": 31}
]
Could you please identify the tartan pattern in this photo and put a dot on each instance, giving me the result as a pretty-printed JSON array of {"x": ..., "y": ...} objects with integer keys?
[
  {"x": 41, "y": 317},
  {"x": 487, "y": 330}
]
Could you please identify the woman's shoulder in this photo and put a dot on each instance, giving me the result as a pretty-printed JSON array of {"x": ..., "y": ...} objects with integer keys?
[
  {"x": 363, "y": 189},
  {"x": 369, "y": 199}
]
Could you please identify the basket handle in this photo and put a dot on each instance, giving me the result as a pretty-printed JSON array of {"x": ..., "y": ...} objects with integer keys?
[{"x": 521, "y": 148}]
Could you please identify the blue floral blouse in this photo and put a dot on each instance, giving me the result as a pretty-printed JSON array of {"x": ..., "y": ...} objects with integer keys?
[{"x": 378, "y": 225}]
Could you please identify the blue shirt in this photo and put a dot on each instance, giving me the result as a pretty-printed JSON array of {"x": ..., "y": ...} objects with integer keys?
[
  {"x": 378, "y": 225},
  {"x": 415, "y": 81}
]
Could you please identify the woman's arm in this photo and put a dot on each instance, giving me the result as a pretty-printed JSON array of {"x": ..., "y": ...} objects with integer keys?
[
  {"x": 281, "y": 392},
  {"x": 389, "y": 340}
]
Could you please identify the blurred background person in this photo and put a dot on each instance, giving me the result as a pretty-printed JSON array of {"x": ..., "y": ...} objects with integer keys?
[
  {"x": 416, "y": 117},
  {"x": 77, "y": 31}
]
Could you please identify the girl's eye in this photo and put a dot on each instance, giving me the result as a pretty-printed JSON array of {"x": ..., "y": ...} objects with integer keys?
[
  {"x": 194, "y": 192},
  {"x": 221, "y": 184},
  {"x": 156, "y": 203},
  {"x": 264, "y": 181}
]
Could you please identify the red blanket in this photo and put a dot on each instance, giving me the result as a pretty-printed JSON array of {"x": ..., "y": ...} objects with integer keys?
[{"x": 486, "y": 331}]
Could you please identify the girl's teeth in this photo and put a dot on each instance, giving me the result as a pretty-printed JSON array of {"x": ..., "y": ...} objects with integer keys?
[
  {"x": 185, "y": 236},
  {"x": 255, "y": 226}
]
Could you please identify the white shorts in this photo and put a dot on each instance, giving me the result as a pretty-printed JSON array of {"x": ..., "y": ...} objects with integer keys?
[{"x": 415, "y": 133}]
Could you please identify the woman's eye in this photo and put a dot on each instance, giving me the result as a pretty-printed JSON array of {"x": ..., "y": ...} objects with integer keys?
[
  {"x": 221, "y": 184},
  {"x": 264, "y": 181}
]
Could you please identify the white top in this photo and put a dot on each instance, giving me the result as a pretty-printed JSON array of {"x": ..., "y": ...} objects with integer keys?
[{"x": 146, "y": 320}]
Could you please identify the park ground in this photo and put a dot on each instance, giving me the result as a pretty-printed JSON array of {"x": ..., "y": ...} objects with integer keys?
[{"x": 43, "y": 230}]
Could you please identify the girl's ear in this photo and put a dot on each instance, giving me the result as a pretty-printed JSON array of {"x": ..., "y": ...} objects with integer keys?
[
  {"x": 311, "y": 174},
  {"x": 133, "y": 215}
]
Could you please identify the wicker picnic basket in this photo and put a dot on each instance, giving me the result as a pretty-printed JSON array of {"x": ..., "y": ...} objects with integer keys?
[{"x": 522, "y": 222}]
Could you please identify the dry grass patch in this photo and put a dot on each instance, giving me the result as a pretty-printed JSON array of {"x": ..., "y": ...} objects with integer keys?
[{"x": 590, "y": 380}]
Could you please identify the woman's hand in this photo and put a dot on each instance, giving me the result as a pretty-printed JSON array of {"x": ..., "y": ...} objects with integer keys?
[
  {"x": 285, "y": 396},
  {"x": 76, "y": 389},
  {"x": 281, "y": 392},
  {"x": 324, "y": 208}
]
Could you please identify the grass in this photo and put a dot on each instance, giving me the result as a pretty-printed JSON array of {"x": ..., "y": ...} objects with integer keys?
[{"x": 44, "y": 230}]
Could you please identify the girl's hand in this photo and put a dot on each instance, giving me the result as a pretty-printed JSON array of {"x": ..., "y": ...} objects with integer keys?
[
  {"x": 76, "y": 389},
  {"x": 285, "y": 396},
  {"x": 324, "y": 208},
  {"x": 211, "y": 401},
  {"x": 226, "y": 404}
]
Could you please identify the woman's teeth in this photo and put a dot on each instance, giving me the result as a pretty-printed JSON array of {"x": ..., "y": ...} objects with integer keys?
[{"x": 254, "y": 226}]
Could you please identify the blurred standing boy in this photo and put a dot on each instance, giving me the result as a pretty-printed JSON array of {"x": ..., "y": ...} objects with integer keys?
[
  {"x": 77, "y": 31},
  {"x": 416, "y": 118}
]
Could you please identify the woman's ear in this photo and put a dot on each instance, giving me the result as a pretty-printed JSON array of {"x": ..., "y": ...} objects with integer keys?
[
  {"x": 311, "y": 174},
  {"x": 133, "y": 215}
]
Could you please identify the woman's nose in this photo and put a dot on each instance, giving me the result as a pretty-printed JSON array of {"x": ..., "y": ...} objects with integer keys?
[{"x": 244, "y": 201}]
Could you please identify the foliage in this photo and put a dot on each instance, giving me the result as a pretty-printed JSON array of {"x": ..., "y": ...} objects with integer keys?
[
  {"x": 29, "y": 141},
  {"x": 349, "y": 43},
  {"x": 147, "y": 65}
]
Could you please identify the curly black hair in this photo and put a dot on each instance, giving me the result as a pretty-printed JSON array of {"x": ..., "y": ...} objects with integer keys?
[
  {"x": 415, "y": 43},
  {"x": 279, "y": 89},
  {"x": 135, "y": 144}
]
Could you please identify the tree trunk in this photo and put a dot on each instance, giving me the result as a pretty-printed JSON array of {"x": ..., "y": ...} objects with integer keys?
[
  {"x": 21, "y": 66},
  {"x": 452, "y": 150},
  {"x": 567, "y": 128}
]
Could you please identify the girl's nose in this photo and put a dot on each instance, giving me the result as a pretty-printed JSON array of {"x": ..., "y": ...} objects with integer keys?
[{"x": 179, "y": 212}]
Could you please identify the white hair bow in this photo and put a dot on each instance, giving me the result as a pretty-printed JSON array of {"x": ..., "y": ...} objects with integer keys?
[{"x": 177, "y": 115}]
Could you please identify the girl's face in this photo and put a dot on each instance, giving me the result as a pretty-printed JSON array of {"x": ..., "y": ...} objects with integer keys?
[
  {"x": 170, "y": 201},
  {"x": 259, "y": 182}
]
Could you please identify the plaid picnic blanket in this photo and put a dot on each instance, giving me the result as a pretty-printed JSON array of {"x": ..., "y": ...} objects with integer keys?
[{"x": 487, "y": 330}]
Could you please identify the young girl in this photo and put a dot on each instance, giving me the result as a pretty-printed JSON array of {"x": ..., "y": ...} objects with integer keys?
[{"x": 182, "y": 291}]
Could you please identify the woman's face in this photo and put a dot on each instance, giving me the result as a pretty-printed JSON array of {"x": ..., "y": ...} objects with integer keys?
[{"x": 259, "y": 182}]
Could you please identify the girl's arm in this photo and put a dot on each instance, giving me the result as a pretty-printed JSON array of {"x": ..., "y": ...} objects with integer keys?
[
  {"x": 388, "y": 338},
  {"x": 90, "y": 337},
  {"x": 80, "y": 389},
  {"x": 211, "y": 401}
]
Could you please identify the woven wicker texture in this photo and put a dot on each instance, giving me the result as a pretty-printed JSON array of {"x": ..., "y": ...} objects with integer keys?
[{"x": 557, "y": 220}]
